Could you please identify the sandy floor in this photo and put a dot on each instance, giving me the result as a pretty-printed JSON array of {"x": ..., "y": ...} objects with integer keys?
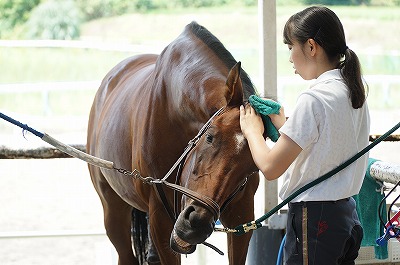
[{"x": 56, "y": 197}]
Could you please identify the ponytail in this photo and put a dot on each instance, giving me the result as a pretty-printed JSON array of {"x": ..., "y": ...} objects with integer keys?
[{"x": 350, "y": 69}]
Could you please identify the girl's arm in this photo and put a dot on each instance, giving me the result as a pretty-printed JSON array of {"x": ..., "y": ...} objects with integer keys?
[{"x": 271, "y": 162}]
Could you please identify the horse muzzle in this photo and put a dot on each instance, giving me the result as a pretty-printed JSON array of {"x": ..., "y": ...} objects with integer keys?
[{"x": 193, "y": 226}]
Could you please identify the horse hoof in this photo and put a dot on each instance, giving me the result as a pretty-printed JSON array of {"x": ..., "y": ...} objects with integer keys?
[{"x": 153, "y": 258}]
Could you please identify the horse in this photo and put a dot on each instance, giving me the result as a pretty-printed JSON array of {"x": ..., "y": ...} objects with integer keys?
[{"x": 146, "y": 110}]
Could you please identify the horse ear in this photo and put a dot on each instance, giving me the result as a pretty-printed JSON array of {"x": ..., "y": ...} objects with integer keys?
[{"x": 234, "y": 93}]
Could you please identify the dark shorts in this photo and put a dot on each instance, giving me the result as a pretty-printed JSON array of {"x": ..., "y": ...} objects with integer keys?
[{"x": 322, "y": 233}]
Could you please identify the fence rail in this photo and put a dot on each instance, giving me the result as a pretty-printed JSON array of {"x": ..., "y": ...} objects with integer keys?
[
  {"x": 77, "y": 44},
  {"x": 385, "y": 172},
  {"x": 379, "y": 170},
  {"x": 386, "y": 82},
  {"x": 36, "y": 153}
]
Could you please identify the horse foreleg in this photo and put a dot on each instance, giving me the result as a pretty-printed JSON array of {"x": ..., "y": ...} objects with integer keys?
[
  {"x": 117, "y": 219},
  {"x": 152, "y": 256},
  {"x": 240, "y": 211},
  {"x": 237, "y": 248},
  {"x": 160, "y": 231}
]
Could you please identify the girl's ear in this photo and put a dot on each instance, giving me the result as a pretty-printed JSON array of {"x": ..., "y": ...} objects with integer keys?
[{"x": 311, "y": 46}]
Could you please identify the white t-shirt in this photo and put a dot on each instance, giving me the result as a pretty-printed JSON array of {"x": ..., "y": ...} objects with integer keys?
[{"x": 330, "y": 131}]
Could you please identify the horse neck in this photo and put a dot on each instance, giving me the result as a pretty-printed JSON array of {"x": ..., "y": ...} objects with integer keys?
[
  {"x": 189, "y": 85},
  {"x": 194, "y": 100},
  {"x": 192, "y": 91},
  {"x": 182, "y": 99}
]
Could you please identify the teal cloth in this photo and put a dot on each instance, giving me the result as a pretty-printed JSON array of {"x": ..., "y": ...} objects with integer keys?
[
  {"x": 264, "y": 108},
  {"x": 367, "y": 204}
]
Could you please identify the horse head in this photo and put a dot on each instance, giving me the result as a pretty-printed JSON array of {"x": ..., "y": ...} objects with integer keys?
[{"x": 217, "y": 168}]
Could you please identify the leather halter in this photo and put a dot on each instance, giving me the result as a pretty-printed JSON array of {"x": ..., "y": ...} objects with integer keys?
[
  {"x": 207, "y": 202},
  {"x": 204, "y": 200}
]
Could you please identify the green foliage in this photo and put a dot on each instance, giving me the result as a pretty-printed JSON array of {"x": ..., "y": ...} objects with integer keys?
[
  {"x": 250, "y": 2},
  {"x": 54, "y": 20},
  {"x": 145, "y": 5},
  {"x": 336, "y": 2},
  {"x": 200, "y": 3},
  {"x": 93, "y": 9},
  {"x": 385, "y": 2},
  {"x": 14, "y": 12}
]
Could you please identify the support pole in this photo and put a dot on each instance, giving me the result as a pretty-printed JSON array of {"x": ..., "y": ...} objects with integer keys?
[
  {"x": 265, "y": 242},
  {"x": 268, "y": 70}
]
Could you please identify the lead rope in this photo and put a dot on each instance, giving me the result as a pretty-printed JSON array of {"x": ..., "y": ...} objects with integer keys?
[
  {"x": 253, "y": 225},
  {"x": 239, "y": 230},
  {"x": 135, "y": 174}
]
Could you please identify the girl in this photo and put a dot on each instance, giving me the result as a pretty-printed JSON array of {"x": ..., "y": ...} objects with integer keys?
[{"x": 329, "y": 124}]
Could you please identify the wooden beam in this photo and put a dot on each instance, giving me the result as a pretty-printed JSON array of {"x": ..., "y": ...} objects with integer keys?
[{"x": 37, "y": 153}]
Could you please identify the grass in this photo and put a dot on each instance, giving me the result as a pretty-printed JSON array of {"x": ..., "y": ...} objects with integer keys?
[
  {"x": 21, "y": 65},
  {"x": 372, "y": 32}
]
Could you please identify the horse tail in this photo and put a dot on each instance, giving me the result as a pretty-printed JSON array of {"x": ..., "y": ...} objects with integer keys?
[{"x": 140, "y": 236}]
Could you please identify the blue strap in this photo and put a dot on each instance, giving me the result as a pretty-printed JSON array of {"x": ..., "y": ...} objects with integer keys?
[
  {"x": 264, "y": 108},
  {"x": 391, "y": 232},
  {"x": 25, "y": 127}
]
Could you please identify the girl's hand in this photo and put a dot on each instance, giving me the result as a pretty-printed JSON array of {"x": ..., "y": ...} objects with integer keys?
[
  {"x": 278, "y": 119},
  {"x": 250, "y": 121}
]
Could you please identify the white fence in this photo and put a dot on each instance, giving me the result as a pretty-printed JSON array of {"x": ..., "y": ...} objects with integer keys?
[
  {"x": 384, "y": 81},
  {"x": 76, "y": 44}
]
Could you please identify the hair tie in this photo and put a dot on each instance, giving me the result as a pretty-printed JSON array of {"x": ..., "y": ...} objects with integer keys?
[{"x": 344, "y": 49}]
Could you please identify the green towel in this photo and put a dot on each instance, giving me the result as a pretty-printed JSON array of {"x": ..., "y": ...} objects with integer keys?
[
  {"x": 368, "y": 201},
  {"x": 265, "y": 107}
]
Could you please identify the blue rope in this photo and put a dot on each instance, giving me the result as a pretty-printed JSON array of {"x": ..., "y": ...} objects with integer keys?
[
  {"x": 279, "y": 259},
  {"x": 25, "y": 127},
  {"x": 388, "y": 235}
]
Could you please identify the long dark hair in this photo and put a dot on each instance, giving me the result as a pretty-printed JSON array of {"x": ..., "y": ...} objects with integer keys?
[{"x": 323, "y": 26}]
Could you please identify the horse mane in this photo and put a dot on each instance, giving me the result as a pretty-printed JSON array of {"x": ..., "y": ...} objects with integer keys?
[{"x": 223, "y": 54}]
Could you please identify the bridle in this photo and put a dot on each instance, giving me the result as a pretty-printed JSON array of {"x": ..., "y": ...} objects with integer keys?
[{"x": 205, "y": 201}]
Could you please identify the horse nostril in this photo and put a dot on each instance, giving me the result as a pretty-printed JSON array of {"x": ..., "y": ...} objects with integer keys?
[
  {"x": 196, "y": 218},
  {"x": 188, "y": 211},
  {"x": 194, "y": 224}
]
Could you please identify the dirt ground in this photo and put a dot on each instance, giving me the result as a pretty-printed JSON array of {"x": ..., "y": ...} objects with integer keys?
[{"x": 56, "y": 197}]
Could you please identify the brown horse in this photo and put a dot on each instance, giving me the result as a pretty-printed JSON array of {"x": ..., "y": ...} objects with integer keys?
[{"x": 146, "y": 110}]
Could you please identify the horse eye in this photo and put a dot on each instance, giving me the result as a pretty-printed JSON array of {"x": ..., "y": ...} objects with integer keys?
[{"x": 209, "y": 138}]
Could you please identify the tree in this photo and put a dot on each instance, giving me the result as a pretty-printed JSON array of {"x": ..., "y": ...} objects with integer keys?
[
  {"x": 15, "y": 12},
  {"x": 54, "y": 20}
]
